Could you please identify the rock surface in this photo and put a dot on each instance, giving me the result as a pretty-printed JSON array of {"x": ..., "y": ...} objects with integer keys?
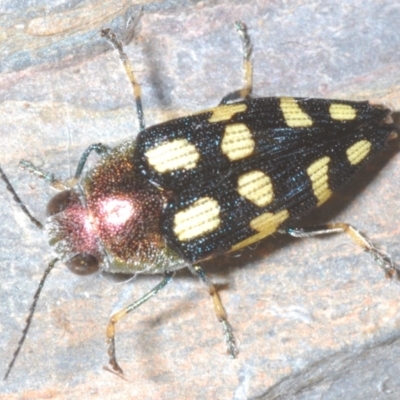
[{"x": 315, "y": 318}]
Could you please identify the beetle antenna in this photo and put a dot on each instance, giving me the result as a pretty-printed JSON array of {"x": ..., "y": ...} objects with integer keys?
[
  {"x": 18, "y": 200},
  {"x": 30, "y": 316}
]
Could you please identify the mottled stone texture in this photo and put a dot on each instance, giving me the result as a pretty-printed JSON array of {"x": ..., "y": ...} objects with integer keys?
[{"x": 314, "y": 318}]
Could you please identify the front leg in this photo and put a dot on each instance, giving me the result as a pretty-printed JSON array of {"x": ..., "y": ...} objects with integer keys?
[{"x": 115, "y": 318}]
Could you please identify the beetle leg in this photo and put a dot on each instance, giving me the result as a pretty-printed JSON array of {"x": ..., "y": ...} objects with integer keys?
[
  {"x": 115, "y": 318},
  {"x": 218, "y": 309},
  {"x": 247, "y": 67},
  {"x": 99, "y": 148},
  {"x": 381, "y": 258},
  {"x": 112, "y": 38}
]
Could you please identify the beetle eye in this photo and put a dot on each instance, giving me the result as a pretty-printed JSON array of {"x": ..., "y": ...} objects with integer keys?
[
  {"x": 58, "y": 203},
  {"x": 83, "y": 264}
]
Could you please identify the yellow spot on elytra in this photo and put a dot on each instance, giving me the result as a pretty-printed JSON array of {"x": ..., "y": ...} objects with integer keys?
[
  {"x": 342, "y": 112},
  {"x": 256, "y": 186},
  {"x": 199, "y": 219},
  {"x": 237, "y": 142},
  {"x": 172, "y": 156},
  {"x": 225, "y": 112},
  {"x": 358, "y": 151},
  {"x": 294, "y": 116},
  {"x": 265, "y": 224},
  {"x": 318, "y": 173}
]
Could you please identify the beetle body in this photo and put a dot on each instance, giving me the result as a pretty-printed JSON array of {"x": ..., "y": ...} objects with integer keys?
[
  {"x": 211, "y": 183},
  {"x": 199, "y": 186}
]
